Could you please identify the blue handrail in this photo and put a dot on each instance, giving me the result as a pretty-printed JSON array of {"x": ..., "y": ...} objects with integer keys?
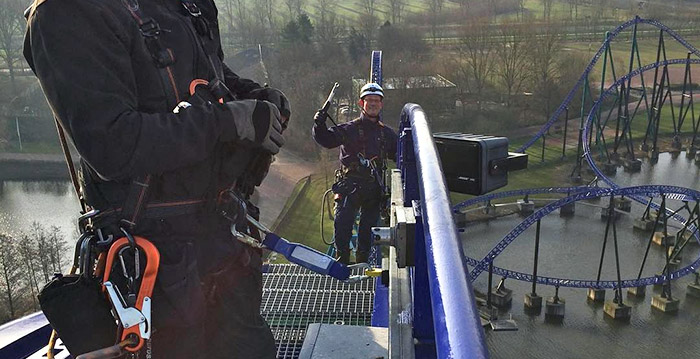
[{"x": 456, "y": 323}]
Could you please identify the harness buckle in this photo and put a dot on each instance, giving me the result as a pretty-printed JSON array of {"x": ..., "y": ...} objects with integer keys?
[
  {"x": 191, "y": 8},
  {"x": 150, "y": 28}
]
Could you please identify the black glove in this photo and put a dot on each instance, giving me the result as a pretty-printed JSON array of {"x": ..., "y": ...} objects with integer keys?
[
  {"x": 255, "y": 121},
  {"x": 275, "y": 96},
  {"x": 321, "y": 117}
]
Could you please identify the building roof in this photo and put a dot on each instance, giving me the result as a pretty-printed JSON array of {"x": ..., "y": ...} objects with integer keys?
[{"x": 412, "y": 82}]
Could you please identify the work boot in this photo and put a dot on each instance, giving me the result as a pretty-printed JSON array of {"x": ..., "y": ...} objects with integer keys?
[{"x": 362, "y": 257}]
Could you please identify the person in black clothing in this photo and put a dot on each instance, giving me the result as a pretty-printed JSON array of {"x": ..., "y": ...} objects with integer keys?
[
  {"x": 365, "y": 143},
  {"x": 119, "y": 77}
]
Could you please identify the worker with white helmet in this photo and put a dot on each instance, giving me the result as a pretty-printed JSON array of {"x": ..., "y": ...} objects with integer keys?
[{"x": 365, "y": 144}]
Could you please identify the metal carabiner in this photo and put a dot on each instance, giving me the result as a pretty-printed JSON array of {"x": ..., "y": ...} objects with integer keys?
[
  {"x": 101, "y": 240},
  {"x": 129, "y": 237},
  {"x": 86, "y": 262},
  {"x": 82, "y": 226},
  {"x": 78, "y": 250},
  {"x": 137, "y": 267}
]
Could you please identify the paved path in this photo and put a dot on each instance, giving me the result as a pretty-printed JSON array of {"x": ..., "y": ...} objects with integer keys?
[{"x": 284, "y": 174}]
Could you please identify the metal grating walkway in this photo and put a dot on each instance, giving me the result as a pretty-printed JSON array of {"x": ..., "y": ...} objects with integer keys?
[{"x": 294, "y": 297}]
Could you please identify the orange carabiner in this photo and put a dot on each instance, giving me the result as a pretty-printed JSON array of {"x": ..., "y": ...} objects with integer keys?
[
  {"x": 147, "y": 282},
  {"x": 197, "y": 82}
]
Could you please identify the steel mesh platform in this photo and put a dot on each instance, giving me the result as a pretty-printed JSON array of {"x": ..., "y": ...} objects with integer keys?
[{"x": 294, "y": 297}]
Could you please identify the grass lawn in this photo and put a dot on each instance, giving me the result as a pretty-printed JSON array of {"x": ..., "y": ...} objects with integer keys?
[{"x": 303, "y": 219}]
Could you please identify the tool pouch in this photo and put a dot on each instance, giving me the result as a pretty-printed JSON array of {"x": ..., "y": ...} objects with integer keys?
[{"x": 79, "y": 312}]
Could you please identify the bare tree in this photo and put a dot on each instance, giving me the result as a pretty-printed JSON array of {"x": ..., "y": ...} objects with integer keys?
[
  {"x": 11, "y": 29},
  {"x": 396, "y": 9},
  {"x": 368, "y": 26},
  {"x": 369, "y": 6},
  {"x": 547, "y": 8},
  {"x": 513, "y": 62},
  {"x": 434, "y": 14},
  {"x": 10, "y": 284},
  {"x": 270, "y": 6},
  {"x": 27, "y": 257},
  {"x": 543, "y": 56},
  {"x": 329, "y": 28},
  {"x": 474, "y": 50},
  {"x": 457, "y": 70},
  {"x": 42, "y": 250},
  {"x": 57, "y": 247},
  {"x": 295, "y": 7},
  {"x": 573, "y": 8}
]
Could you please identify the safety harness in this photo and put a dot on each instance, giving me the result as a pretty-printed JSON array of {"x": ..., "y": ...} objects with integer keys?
[
  {"x": 353, "y": 170},
  {"x": 97, "y": 253}
]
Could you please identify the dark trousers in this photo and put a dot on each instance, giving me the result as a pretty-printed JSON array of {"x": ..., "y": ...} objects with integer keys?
[
  {"x": 216, "y": 315},
  {"x": 366, "y": 198}
]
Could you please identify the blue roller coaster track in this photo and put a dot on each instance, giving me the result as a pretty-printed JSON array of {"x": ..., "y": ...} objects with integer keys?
[
  {"x": 639, "y": 193},
  {"x": 591, "y": 65}
]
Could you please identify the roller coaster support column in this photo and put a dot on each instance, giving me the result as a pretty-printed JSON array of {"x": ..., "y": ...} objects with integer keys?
[
  {"x": 664, "y": 301},
  {"x": 694, "y": 288},
  {"x": 596, "y": 294},
  {"x": 566, "y": 132},
  {"x": 450, "y": 300},
  {"x": 683, "y": 110},
  {"x": 616, "y": 309},
  {"x": 533, "y": 301},
  {"x": 555, "y": 308},
  {"x": 576, "y": 172},
  {"x": 544, "y": 145}
]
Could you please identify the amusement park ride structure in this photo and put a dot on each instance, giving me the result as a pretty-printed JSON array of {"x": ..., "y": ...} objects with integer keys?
[{"x": 426, "y": 300}]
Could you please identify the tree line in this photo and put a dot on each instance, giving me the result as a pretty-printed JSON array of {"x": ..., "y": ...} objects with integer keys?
[
  {"x": 28, "y": 260},
  {"x": 499, "y": 51}
]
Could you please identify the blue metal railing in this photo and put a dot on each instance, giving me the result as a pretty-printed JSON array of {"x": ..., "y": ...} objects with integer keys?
[{"x": 449, "y": 303}]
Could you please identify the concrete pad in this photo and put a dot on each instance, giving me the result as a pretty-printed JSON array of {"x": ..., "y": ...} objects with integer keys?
[
  {"x": 617, "y": 311},
  {"x": 632, "y": 165},
  {"x": 644, "y": 224},
  {"x": 567, "y": 209},
  {"x": 661, "y": 240},
  {"x": 637, "y": 291},
  {"x": 596, "y": 295},
  {"x": 533, "y": 301},
  {"x": 330, "y": 341},
  {"x": 502, "y": 298},
  {"x": 554, "y": 310},
  {"x": 526, "y": 208},
  {"x": 693, "y": 290},
  {"x": 664, "y": 304}
]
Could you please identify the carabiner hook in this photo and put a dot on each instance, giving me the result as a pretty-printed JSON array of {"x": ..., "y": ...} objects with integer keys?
[{"x": 129, "y": 237}]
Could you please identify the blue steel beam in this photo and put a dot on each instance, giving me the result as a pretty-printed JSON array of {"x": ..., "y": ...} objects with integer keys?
[{"x": 458, "y": 332}]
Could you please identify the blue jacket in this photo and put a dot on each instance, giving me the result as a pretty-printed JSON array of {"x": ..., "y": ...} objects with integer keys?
[{"x": 360, "y": 136}]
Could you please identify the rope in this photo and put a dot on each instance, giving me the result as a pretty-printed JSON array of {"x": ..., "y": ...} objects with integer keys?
[{"x": 323, "y": 207}]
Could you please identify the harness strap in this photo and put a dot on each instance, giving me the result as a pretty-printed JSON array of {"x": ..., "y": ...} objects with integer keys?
[
  {"x": 159, "y": 210},
  {"x": 135, "y": 201},
  {"x": 203, "y": 29},
  {"x": 162, "y": 57}
]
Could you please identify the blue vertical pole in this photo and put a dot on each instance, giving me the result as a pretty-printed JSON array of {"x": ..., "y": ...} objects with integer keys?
[{"x": 423, "y": 330}]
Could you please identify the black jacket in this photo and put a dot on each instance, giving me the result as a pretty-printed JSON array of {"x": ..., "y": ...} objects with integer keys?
[
  {"x": 102, "y": 84},
  {"x": 360, "y": 137}
]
